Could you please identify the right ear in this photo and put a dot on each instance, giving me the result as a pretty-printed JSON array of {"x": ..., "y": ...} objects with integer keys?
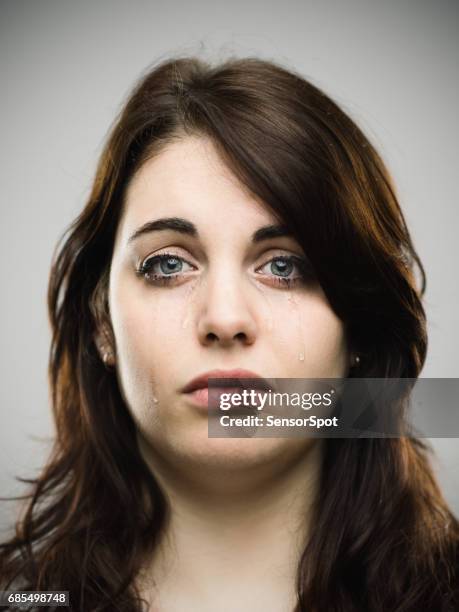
[
  {"x": 105, "y": 347},
  {"x": 103, "y": 335}
]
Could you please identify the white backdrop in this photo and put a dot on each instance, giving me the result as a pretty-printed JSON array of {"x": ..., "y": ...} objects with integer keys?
[{"x": 67, "y": 66}]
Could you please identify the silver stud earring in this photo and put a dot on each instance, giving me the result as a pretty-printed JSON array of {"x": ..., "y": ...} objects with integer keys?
[
  {"x": 106, "y": 354},
  {"x": 356, "y": 360}
]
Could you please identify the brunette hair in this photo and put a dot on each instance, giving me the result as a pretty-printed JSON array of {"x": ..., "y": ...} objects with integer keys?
[{"x": 384, "y": 538}]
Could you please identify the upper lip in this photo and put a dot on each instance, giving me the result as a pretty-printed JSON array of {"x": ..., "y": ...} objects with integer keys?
[{"x": 235, "y": 377}]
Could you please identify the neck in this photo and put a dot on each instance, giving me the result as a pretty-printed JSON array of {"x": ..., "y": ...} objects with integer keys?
[{"x": 236, "y": 536}]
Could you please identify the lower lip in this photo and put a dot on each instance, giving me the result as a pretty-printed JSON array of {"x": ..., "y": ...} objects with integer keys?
[{"x": 211, "y": 401}]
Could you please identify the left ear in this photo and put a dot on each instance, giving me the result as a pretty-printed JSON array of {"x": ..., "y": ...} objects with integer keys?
[{"x": 354, "y": 360}]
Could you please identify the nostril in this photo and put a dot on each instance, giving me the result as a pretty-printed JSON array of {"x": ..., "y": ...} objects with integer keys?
[{"x": 211, "y": 336}]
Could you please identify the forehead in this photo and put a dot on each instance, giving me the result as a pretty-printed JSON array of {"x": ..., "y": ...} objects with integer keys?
[{"x": 188, "y": 179}]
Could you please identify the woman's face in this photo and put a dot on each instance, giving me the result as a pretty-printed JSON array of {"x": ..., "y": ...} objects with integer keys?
[{"x": 222, "y": 299}]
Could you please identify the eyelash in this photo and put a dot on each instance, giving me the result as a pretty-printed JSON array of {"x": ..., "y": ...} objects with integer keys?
[{"x": 305, "y": 271}]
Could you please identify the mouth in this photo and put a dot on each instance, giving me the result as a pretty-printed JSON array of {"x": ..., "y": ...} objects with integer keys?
[{"x": 211, "y": 388}]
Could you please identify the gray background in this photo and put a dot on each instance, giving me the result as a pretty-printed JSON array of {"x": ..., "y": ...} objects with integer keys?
[{"x": 66, "y": 67}]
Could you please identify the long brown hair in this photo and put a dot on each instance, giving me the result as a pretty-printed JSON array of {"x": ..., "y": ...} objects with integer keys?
[{"x": 384, "y": 538}]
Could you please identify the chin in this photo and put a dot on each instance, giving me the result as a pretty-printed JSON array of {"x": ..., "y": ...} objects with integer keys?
[{"x": 228, "y": 455}]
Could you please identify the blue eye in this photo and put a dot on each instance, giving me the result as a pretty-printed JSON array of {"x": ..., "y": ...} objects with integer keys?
[
  {"x": 163, "y": 268},
  {"x": 284, "y": 270},
  {"x": 288, "y": 270},
  {"x": 170, "y": 264},
  {"x": 282, "y": 266}
]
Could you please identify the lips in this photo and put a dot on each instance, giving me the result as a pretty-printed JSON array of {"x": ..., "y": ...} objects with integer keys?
[
  {"x": 231, "y": 381},
  {"x": 234, "y": 379}
]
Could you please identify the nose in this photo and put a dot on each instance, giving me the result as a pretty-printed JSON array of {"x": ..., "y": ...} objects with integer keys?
[{"x": 226, "y": 316}]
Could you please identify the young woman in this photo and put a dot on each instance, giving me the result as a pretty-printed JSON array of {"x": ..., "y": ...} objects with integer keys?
[{"x": 240, "y": 224}]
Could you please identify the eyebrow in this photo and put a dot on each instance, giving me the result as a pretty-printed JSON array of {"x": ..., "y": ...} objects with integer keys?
[
  {"x": 178, "y": 224},
  {"x": 175, "y": 224},
  {"x": 270, "y": 231}
]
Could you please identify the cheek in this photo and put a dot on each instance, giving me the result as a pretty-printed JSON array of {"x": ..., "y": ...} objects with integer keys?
[
  {"x": 150, "y": 328},
  {"x": 325, "y": 346},
  {"x": 326, "y": 335},
  {"x": 312, "y": 335}
]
